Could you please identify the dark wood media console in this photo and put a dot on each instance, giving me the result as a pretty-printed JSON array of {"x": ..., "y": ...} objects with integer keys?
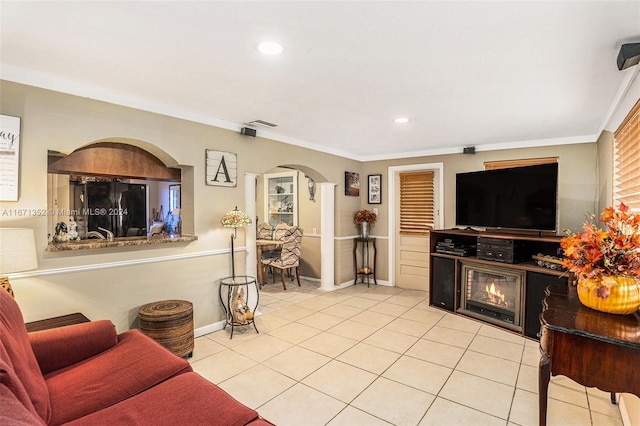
[{"x": 447, "y": 282}]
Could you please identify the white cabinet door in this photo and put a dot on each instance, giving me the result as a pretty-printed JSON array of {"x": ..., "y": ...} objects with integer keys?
[{"x": 281, "y": 198}]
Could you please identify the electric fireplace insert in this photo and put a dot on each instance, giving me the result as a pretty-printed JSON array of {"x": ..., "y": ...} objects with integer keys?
[{"x": 492, "y": 294}]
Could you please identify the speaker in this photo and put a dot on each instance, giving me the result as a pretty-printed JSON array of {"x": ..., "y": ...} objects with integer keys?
[
  {"x": 248, "y": 131},
  {"x": 469, "y": 150},
  {"x": 443, "y": 286},
  {"x": 629, "y": 55},
  {"x": 536, "y": 284}
]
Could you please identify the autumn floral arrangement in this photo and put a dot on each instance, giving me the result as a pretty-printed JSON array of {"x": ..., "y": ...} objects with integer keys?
[
  {"x": 609, "y": 251},
  {"x": 365, "y": 216}
]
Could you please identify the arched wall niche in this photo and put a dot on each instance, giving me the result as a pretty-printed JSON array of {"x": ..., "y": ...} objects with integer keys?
[{"x": 123, "y": 161}]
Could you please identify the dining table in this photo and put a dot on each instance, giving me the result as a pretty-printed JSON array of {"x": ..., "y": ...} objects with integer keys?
[{"x": 263, "y": 245}]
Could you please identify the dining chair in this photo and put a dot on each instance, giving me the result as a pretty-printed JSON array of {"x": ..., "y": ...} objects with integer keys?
[
  {"x": 280, "y": 231},
  {"x": 278, "y": 234},
  {"x": 264, "y": 231},
  {"x": 289, "y": 258}
]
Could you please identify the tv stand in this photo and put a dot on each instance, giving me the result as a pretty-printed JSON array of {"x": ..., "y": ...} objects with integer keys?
[{"x": 445, "y": 285}]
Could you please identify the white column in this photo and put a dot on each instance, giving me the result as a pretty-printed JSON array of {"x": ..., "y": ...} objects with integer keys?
[
  {"x": 250, "y": 233},
  {"x": 327, "y": 236}
]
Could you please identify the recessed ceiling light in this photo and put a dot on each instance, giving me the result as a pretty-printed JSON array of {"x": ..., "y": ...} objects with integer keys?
[
  {"x": 401, "y": 120},
  {"x": 270, "y": 48}
]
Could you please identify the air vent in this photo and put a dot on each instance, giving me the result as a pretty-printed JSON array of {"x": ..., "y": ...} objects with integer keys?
[{"x": 262, "y": 123}]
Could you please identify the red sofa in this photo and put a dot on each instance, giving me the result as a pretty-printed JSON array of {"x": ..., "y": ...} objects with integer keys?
[{"x": 87, "y": 374}]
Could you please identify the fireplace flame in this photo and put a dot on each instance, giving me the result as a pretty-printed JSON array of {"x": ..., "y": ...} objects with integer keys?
[{"x": 495, "y": 295}]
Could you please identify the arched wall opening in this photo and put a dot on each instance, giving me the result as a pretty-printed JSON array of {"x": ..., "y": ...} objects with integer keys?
[
  {"x": 120, "y": 184},
  {"x": 324, "y": 232}
]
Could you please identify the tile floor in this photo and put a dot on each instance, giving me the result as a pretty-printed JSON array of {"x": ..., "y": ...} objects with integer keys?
[{"x": 380, "y": 356}]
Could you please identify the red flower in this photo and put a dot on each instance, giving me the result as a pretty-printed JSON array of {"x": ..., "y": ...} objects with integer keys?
[{"x": 365, "y": 216}]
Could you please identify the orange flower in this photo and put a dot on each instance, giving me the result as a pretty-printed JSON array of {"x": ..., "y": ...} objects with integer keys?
[{"x": 614, "y": 250}]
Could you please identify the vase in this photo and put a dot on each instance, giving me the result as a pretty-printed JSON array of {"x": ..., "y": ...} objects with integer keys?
[
  {"x": 611, "y": 294},
  {"x": 364, "y": 227}
]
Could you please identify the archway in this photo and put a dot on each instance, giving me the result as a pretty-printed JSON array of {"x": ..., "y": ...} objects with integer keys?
[{"x": 327, "y": 223}]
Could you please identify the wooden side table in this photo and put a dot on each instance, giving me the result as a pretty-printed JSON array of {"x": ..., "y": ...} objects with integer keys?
[
  {"x": 593, "y": 348},
  {"x": 55, "y": 322},
  {"x": 365, "y": 268}
]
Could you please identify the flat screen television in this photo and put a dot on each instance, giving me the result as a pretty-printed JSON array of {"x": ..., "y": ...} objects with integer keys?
[{"x": 524, "y": 198}]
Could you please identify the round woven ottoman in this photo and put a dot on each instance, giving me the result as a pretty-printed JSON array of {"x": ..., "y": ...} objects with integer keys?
[{"x": 170, "y": 323}]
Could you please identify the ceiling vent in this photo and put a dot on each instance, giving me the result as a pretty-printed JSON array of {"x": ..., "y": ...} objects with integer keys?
[{"x": 262, "y": 123}]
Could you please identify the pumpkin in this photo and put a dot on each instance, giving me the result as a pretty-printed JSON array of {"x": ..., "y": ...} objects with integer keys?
[{"x": 611, "y": 294}]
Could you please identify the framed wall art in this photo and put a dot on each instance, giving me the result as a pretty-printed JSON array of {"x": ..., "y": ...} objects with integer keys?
[
  {"x": 375, "y": 189},
  {"x": 222, "y": 168},
  {"x": 351, "y": 184},
  {"x": 9, "y": 157}
]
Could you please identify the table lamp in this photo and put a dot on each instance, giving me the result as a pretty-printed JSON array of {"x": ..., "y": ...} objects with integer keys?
[
  {"x": 234, "y": 219},
  {"x": 17, "y": 253}
]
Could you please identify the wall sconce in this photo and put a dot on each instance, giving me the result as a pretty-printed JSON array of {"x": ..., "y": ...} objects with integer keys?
[{"x": 312, "y": 187}]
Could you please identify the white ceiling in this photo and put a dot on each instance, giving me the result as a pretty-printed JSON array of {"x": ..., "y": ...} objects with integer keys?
[{"x": 485, "y": 73}]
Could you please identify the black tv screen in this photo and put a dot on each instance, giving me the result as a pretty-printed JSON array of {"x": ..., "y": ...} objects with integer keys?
[{"x": 516, "y": 198}]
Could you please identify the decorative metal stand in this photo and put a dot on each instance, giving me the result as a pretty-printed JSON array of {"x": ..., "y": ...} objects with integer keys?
[{"x": 233, "y": 285}]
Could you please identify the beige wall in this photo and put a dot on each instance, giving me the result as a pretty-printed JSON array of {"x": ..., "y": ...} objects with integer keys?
[
  {"x": 605, "y": 170},
  {"x": 577, "y": 186},
  {"x": 89, "y": 282},
  {"x": 577, "y": 178},
  {"x": 61, "y": 122},
  {"x": 114, "y": 283}
]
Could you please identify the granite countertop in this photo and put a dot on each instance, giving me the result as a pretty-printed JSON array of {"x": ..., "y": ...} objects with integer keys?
[{"x": 91, "y": 244}]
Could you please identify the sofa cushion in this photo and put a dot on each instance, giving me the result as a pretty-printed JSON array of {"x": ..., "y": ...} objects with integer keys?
[
  {"x": 193, "y": 401},
  {"x": 63, "y": 346},
  {"x": 133, "y": 365},
  {"x": 18, "y": 356}
]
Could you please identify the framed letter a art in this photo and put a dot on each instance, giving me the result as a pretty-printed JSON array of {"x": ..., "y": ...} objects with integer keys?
[{"x": 222, "y": 168}]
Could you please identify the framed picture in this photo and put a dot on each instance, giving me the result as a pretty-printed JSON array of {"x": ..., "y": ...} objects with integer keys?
[
  {"x": 221, "y": 168},
  {"x": 351, "y": 184},
  {"x": 9, "y": 157},
  {"x": 375, "y": 189}
]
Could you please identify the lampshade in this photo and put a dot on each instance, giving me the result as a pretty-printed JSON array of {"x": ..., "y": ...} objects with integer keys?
[
  {"x": 17, "y": 250},
  {"x": 176, "y": 212},
  {"x": 235, "y": 219}
]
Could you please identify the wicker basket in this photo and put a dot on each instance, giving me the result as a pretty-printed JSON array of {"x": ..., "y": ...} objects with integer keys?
[{"x": 170, "y": 323}]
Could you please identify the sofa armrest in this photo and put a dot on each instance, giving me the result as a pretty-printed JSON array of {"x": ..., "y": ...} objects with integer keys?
[{"x": 57, "y": 348}]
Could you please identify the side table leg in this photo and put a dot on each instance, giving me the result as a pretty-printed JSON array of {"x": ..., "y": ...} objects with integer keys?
[{"x": 544, "y": 375}]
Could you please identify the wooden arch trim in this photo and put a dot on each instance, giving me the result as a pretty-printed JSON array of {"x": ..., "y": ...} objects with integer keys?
[{"x": 112, "y": 159}]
